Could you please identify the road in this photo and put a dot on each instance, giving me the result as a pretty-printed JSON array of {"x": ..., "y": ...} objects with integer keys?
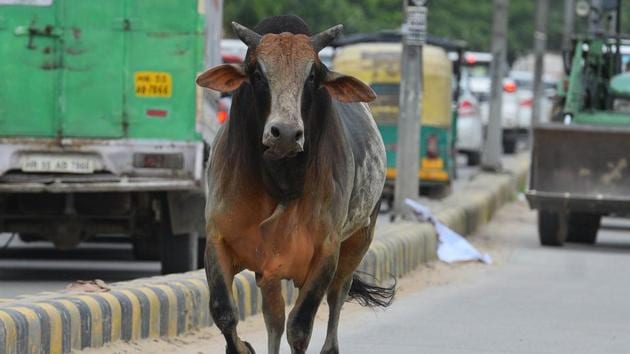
[
  {"x": 532, "y": 300},
  {"x": 36, "y": 267}
]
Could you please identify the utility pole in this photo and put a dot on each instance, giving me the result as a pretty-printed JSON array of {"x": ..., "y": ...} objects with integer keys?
[
  {"x": 540, "y": 44},
  {"x": 569, "y": 24},
  {"x": 491, "y": 158},
  {"x": 410, "y": 103}
]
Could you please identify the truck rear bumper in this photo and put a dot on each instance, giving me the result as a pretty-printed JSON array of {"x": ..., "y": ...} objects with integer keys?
[
  {"x": 118, "y": 165},
  {"x": 121, "y": 185},
  {"x": 598, "y": 204}
]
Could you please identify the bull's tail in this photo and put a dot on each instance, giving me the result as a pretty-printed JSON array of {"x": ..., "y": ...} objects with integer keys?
[{"x": 370, "y": 295}]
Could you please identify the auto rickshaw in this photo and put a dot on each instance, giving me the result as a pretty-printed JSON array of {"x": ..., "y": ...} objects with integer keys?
[{"x": 378, "y": 64}]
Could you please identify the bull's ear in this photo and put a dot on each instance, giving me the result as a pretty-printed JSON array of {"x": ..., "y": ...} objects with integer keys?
[
  {"x": 223, "y": 78},
  {"x": 347, "y": 88}
]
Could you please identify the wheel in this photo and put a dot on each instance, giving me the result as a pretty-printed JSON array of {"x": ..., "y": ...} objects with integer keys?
[
  {"x": 27, "y": 237},
  {"x": 201, "y": 252},
  {"x": 146, "y": 248},
  {"x": 473, "y": 158},
  {"x": 583, "y": 227},
  {"x": 509, "y": 146},
  {"x": 552, "y": 227},
  {"x": 178, "y": 252}
]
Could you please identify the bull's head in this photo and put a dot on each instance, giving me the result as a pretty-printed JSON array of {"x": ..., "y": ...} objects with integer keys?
[{"x": 285, "y": 69}]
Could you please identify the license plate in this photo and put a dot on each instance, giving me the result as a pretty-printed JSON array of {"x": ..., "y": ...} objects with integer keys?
[
  {"x": 57, "y": 163},
  {"x": 153, "y": 84}
]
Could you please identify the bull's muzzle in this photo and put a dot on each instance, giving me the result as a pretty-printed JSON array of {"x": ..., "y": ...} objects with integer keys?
[{"x": 283, "y": 140}]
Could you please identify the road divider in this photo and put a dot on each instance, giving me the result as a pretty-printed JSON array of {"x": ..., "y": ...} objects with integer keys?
[{"x": 175, "y": 304}]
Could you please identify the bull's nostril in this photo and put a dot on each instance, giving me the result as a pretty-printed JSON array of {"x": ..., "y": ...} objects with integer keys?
[
  {"x": 298, "y": 135},
  {"x": 275, "y": 132}
]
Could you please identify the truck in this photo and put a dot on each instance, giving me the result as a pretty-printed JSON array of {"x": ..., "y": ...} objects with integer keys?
[
  {"x": 580, "y": 161},
  {"x": 102, "y": 129}
]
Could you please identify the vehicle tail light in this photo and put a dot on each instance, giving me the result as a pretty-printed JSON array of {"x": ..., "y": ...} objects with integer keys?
[
  {"x": 466, "y": 108},
  {"x": 222, "y": 114},
  {"x": 509, "y": 87},
  {"x": 470, "y": 59},
  {"x": 527, "y": 103},
  {"x": 433, "y": 150},
  {"x": 169, "y": 161}
]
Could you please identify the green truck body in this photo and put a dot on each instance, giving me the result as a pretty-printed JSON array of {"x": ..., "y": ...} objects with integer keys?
[{"x": 98, "y": 103}]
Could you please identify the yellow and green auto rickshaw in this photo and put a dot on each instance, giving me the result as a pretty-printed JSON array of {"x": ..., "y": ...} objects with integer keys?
[{"x": 378, "y": 64}]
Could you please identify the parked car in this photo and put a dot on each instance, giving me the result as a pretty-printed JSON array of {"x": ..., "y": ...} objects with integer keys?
[
  {"x": 469, "y": 128},
  {"x": 233, "y": 50},
  {"x": 517, "y": 97},
  {"x": 517, "y": 107}
]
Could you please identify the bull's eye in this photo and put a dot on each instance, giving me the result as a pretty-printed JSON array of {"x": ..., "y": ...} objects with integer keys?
[{"x": 311, "y": 76}]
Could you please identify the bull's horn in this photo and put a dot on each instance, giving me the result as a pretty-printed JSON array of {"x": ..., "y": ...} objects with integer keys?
[
  {"x": 246, "y": 35},
  {"x": 322, "y": 39}
]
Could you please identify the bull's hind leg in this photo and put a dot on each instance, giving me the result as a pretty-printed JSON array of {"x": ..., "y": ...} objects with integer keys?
[
  {"x": 300, "y": 324},
  {"x": 352, "y": 251},
  {"x": 220, "y": 274},
  {"x": 273, "y": 312}
]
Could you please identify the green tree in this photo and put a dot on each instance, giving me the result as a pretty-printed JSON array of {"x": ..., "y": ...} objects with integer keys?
[{"x": 470, "y": 20}]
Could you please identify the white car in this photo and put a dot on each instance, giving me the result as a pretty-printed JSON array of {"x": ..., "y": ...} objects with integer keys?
[
  {"x": 469, "y": 128},
  {"x": 517, "y": 107}
]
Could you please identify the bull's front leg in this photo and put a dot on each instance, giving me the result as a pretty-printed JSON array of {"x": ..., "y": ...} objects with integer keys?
[
  {"x": 220, "y": 273},
  {"x": 321, "y": 273}
]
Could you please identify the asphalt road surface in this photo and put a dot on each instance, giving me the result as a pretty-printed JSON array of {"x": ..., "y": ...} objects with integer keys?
[{"x": 533, "y": 299}]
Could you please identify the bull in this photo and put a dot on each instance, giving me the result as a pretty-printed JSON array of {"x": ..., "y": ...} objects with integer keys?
[{"x": 293, "y": 184}]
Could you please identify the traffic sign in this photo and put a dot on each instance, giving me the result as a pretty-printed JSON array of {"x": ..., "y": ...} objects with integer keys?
[{"x": 415, "y": 31}]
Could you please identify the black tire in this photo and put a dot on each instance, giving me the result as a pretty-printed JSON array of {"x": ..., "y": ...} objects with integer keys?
[
  {"x": 27, "y": 237},
  {"x": 583, "y": 227},
  {"x": 201, "y": 252},
  {"x": 509, "y": 146},
  {"x": 179, "y": 252},
  {"x": 552, "y": 228},
  {"x": 473, "y": 158},
  {"x": 146, "y": 248}
]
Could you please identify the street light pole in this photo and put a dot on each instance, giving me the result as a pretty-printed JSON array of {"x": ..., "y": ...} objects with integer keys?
[
  {"x": 491, "y": 158},
  {"x": 410, "y": 103},
  {"x": 540, "y": 43}
]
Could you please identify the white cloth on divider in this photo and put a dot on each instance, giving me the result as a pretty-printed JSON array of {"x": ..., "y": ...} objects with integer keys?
[{"x": 452, "y": 246}]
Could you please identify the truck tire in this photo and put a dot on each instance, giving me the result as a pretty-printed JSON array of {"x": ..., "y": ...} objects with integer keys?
[
  {"x": 552, "y": 227},
  {"x": 583, "y": 227},
  {"x": 201, "y": 252},
  {"x": 145, "y": 248},
  {"x": 509, "y": 146},
  {"x": 473, "y": 158},
  {"x": 179, "y": 252}
]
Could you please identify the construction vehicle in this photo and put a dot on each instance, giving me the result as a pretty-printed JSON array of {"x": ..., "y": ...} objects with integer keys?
[{"x": 580, "y": 168}]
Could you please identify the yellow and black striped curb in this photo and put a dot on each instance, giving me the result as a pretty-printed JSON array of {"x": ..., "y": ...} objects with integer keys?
[{"x": 176, "y": 304}]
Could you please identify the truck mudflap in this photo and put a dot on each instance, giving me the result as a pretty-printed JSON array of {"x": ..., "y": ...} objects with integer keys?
[{"x": 580, "y": 168}]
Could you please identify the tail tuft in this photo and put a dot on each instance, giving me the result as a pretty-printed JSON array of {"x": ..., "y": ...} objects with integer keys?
[{"x": 366, "y": 294}]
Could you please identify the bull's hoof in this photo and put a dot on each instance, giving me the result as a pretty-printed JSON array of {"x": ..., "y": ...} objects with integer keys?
[
  {"x": 249, "y": 346},
  {"x": 232, "y": 350}
]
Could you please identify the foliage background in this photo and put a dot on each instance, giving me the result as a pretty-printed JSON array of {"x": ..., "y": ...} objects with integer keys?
[{"x": 470, "y": 20}]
